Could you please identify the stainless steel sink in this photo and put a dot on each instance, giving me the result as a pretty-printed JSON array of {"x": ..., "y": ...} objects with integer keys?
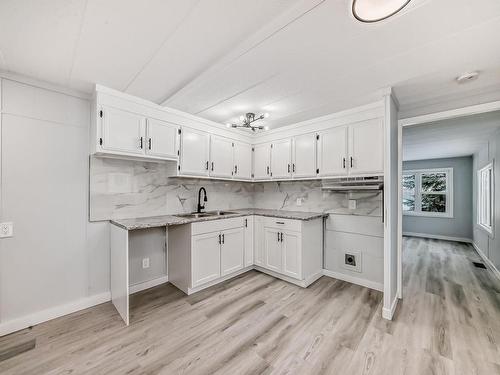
[{"x": 205, "y": 214}]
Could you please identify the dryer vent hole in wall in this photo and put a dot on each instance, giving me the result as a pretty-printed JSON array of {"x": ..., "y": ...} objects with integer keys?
[
  {"x": 479, "y": 265},
  {"x": 350, "y": 260}
]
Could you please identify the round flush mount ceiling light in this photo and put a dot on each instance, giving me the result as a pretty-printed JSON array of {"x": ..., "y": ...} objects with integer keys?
[
  {"x": 376, "y": 10},
  {"x": 467, "y": 77}
]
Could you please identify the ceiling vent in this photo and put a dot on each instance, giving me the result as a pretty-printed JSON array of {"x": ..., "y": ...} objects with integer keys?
[{"x": 467, "y": 77}]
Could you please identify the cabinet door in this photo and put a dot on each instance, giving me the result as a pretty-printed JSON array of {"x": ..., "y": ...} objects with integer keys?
[
  {"x": 232, "y": 251},
  {"x": 304, "y": 156},
  {"x": 272, "y": 250},
  {"x": 161, "y": 139},
  {"x": 366, "y": 147},
  {"x": 292, "y": 254},
  {"x": 281, "y": 166},
  {"x": 249, "y": 240},
  {"x": 205, "y": 258},
  {"x": 123, "y": 131},
  {"x": 242, "y": 160},
  {"x": 221, "y": 157},
  {"x": 332, "y": 152},
  {"x": 194, "y": 152},
  {"x": 262, "y": 161},
  {"x": 259, "y": 241}
]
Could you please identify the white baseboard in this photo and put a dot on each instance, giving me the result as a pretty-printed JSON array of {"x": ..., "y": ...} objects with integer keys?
[
  {"x": 148, "y": 284},
  {"x": 438, "y": 237},
  {"x": 52, "y": 313},
  {"x": 354, "y": 280},
  {"x": 488, "y": 262},
  {"x": 389, "y": 313}
]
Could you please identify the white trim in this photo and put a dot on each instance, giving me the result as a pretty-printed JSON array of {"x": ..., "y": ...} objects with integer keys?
[
  {"x": 354, "y": 280},
  {"x": 438, "y": 237},
  {"x": 389, "y": 313},
  {"x": 44, "y": 85},
  {"x": 147, "y": 284},
  {"x": 488, "y": 262},
  {"x": 489, "y": 167},
  {"x": 52, "y": 313},
  {"x": 217, "y": 281},
  {"x": 453, "y": 113}
]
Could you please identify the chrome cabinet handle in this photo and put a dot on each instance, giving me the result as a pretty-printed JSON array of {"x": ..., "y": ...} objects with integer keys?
[
  {"x": 288, "y": 168},
  {"x": 343, "y": 162},
  {"x": 212, "y": 166},
  {"x": 278, "y": 236},
  {"x": 150, "y": 142},
  {"x": 140, "y": 144},
  {"x": 206, "y": 166},
  {"x": 351, "y": 161},
  {"x": 223, "y": 238},
  {"x": 280, "y": 222},
  {"x": 281, "y": 236},
  {"x": 268, "y": 169}
]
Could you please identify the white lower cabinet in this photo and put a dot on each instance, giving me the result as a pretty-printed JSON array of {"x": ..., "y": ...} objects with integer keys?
[
  {"x": 205, "y": 253},
  {"x": 205, "y": 258},
  {"x": 290, "y": 249},
  {"x": 272, "y": 250},
  {"x": 232, "y": 250}
]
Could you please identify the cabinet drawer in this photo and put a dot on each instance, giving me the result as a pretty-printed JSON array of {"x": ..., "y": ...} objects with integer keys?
[
  {"x": 285, "y": 224},
  {"x": 217, "y": 225}
]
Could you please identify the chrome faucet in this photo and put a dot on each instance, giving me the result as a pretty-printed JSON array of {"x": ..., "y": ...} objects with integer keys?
[{"x": 200, "y": 206}]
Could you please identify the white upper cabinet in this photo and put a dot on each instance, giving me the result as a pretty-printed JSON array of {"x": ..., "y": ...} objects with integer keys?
[
  {"x": 262, "y": 161},
  {"x": 161, "y": 139},
  {"x": 122, "y": 131},
  {"x": 194, "y": 152},
  {"x": 366, "y": 147},
  {"x": 242, "y": 155},
  {"x": 304, "y": 156},
  {"x": 332, "y": 152},
  {"x": 281, "y": 165},
  {"x": 221, "y": 157}
]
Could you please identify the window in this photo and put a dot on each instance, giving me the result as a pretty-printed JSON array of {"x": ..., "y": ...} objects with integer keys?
[
  {"x": 428, "y": 192},
  {"x": 485, "y": 198}
]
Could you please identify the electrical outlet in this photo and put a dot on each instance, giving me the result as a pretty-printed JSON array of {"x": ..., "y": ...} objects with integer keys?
[
  {"x": 145, "y": 263},
  {"x": 299, "y": 201},
  {"x": 352, "y": 204},
  {"x": 352, "y": 260},
  {"x": 6, "y": 230}
]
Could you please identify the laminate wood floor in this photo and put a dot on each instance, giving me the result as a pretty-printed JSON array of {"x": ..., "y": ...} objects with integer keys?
[{"x": 448, "y": 323}]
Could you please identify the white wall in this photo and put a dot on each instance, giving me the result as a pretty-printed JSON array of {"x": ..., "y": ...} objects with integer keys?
[
  {"x": 56, "y": 256},
  {"x": 488, "y": 244}
]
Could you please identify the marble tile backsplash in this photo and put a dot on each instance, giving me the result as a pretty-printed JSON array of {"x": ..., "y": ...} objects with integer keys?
[
  {"x": 122, "y": 189},
  {"x": 283, "y": 195}
]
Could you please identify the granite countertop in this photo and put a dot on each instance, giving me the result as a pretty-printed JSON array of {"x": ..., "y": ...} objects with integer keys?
[{"x": 167, "y": 220}]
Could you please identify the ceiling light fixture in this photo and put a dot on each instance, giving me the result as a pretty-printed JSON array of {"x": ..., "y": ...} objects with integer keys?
[
  {"x": 376, "y": 10},
  {"x": 467, "y": 77},
  {"x": 247, "y": 120}
]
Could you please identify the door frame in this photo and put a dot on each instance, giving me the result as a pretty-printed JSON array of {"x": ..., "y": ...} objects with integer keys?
[{"x": 419, "y": 120}]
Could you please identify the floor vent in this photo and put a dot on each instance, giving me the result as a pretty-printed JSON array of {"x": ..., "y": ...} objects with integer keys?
[{"x": 478, "y": 265}]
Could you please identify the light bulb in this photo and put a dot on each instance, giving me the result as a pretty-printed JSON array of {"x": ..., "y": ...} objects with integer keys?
[
  {"x": 242, "y": 118},
  {"x": 266, "y": 115},
  {"x": 266, "y": 127},
  {"x": 228, "y": 125}
]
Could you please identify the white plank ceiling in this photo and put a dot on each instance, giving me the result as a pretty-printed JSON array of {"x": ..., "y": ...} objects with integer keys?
[{"x": 296, "y": 59}]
